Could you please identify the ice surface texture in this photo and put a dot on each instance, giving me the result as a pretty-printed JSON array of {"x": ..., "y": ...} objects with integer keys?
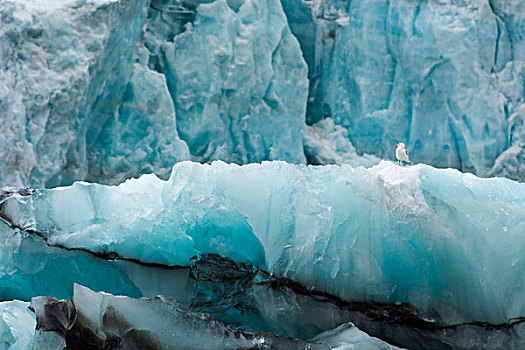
[
  {"x": 106, "y": 90},
  {"x": 328, "y": 143},
  {"x": 100, "y": 90},
  {"x": 17, "y": 325},
  {"x": 64, "y": 64},
  {"x": 236, "y": 75},
  {"x": 234, "y": 293},
  {"x": 446, "y": 78},
  {"x": 100, "y": 320},
  {"x": 419, "y": 235},
  {"x": 83, "y": 97}
]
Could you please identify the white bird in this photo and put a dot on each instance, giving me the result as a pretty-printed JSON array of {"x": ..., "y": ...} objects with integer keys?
[{"x": 401, "y": 153}]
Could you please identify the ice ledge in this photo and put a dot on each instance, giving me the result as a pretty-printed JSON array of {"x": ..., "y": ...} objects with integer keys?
[{"x": 444, "y": 241}]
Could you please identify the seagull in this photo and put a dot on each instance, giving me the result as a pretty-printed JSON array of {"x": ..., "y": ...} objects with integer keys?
[{"x": 401, "y": 153}]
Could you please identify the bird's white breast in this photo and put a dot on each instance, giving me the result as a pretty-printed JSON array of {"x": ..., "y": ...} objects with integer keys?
[{"x": 401, "y": 154}]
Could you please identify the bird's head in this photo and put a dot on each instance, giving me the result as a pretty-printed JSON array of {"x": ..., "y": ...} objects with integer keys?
[{"x": 400, "y": 145}]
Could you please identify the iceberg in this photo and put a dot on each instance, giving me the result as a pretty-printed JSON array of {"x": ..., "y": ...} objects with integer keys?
[
  {"x": 445, "y": 78},
  {"x": 418, "y": 235},
  {"x": 101, "y": 320},
  {"x": 251, "y": 300}
]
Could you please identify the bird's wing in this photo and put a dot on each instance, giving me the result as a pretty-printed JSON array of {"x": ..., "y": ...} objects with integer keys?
[{"x": 406, "y": 152}]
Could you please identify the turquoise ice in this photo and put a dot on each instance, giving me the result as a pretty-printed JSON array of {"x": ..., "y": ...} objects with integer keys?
[
  {"x": 107, "y": 90},
  {"x": 420, "y": 235},
  {"x": 17, "y": 325},
  {"x": 110, "y": 92},
  {"x": 446, "y": 78}
]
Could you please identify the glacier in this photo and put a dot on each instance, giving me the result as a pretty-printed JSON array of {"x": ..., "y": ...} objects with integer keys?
[
  {"x": 416, "y": 235},
  {"x": 236, "y": 76},
  {"x": 61, "y": 67},
  {"x": 446, "y": 78},
  {"x": 116, "y": 89},
  {"x": 226, "y": 164}
]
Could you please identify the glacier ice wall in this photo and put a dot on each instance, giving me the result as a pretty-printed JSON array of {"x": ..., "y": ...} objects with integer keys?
[
  {"x": 62, "y": 63},
  {"x": 104, "y": 92},
  {"x": 115, "y": 89},
  {"x": 327, "y": 143},
  {"x": 446, "y": 78},
  {"x": 236, "y": 76},
  {"x": 393, "y": 234},
  {"x": 143, "y": 137}
]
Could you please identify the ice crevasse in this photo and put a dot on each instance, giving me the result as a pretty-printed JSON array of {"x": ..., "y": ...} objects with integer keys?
[
  {"x": 449, "y": 243},
  {"x": 101, "y": 320}
]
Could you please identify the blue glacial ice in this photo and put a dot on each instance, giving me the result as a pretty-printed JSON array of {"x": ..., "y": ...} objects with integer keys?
[
  {"x": 387, "y": 233},
  {"x": 102, "y": 320},
  {"x": 236, "y": 75},
  {"x": 30, "y": 268},
  {"x": 17, "y": 325},
  {"x": 288, "y": 310},
  {"x": 143, "y": 138},
  {"x": 444, "y": 77},
  {"x": 237, "y": 295},
  {"x": 113, "y": 90},
  {"x": 327, "y": 143},
  {"x": 62, "y": 64},
  {"x": 55, "y": 318}
]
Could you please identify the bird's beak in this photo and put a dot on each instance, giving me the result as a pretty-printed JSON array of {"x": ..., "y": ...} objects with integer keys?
[{"x": 395, "y": 146}]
